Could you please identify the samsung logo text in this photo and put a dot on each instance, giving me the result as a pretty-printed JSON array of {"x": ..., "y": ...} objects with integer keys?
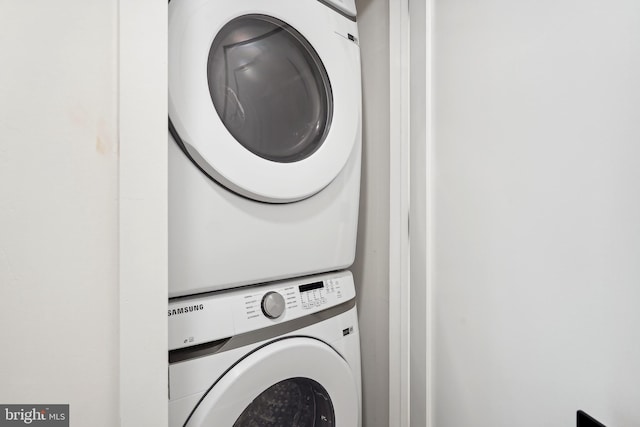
[{"x": 184, "y": 310}]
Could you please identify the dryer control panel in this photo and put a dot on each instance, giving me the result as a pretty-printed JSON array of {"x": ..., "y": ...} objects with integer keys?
[{"x": 219, "y": 315}]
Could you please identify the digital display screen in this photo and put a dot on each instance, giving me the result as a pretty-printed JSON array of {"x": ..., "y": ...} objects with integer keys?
[{"x": 311, "y": 286}]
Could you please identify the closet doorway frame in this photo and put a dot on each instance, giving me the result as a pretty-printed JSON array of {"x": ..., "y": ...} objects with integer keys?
[
  {"x": 411, "y": 261},
  {"x": 143, "y": 235}
]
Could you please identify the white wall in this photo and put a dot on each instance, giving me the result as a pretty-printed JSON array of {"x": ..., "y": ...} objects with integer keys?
[
  {"x": 371, "y": 268},
  {"x": 537, "y": 225},
  {"x": 58, "y": 207},
  {"x": 83, "y": 209}
]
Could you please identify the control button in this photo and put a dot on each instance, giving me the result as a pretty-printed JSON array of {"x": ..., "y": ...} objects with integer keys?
[{"x": 273, "y": 305}]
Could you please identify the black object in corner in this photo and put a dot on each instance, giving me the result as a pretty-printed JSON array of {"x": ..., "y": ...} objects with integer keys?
[{"x": 584, "y": 420}]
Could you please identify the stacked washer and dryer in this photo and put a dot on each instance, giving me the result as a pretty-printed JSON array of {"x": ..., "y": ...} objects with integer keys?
[{"x": 264, "y": 177}]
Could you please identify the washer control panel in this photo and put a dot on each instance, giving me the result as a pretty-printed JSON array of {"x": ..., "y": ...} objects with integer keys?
[
  {"x": 218, "y": 315},
  {"x": 317, "y": 294}
]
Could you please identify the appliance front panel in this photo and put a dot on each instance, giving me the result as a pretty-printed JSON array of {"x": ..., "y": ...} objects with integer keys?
[
  {"x": 220, "y": 315},
  {"x": 286, "y": 380},
  {"x": 266, "y": 101}
]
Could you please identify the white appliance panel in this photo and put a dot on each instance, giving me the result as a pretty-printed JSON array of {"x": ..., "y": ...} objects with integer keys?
[
  {"x": 313, "y": 340},
  {"x": 236, "y": 218},
  {"x": 196, "y": 320}
]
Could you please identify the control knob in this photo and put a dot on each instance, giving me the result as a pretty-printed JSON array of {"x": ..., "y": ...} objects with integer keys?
[{"x": 273, "y": 305}]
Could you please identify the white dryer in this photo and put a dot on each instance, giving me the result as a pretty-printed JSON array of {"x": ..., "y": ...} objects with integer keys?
[
  {"x": 284, "y": 354},
  {"x": 265, "y": 140}
]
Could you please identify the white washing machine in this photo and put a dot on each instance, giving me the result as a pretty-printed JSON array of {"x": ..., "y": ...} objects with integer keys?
[
  {"x": 283, "y": 354},
  {"x": 265, "y": 140}
]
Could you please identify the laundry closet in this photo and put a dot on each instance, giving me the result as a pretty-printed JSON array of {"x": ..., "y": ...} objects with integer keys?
[{"x": 528, "y": 312}]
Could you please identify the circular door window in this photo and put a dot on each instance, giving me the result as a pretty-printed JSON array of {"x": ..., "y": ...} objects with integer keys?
[
  {"x": 269, "y": 88},
  {"x": 290, "y": 382},
  {"x": 300, "y": 402}
]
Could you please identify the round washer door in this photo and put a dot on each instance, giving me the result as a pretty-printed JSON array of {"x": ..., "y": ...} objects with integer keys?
[
  {"x": 265, "y": 101},
  {"x": 291, "y": 382}
]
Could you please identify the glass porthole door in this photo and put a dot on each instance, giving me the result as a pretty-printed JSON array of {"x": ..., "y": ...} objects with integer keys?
[
  {"x": 269, "y": 88},
  {"x": 296, "y": 382},
  {"x": 266, "y": 106},
  {"x": 295, "y": 402}
]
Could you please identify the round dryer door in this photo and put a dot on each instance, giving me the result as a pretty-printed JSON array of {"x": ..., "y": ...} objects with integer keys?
[
  {"x": 291, "y": 382},
  {"x": 265, "y": 102}
]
